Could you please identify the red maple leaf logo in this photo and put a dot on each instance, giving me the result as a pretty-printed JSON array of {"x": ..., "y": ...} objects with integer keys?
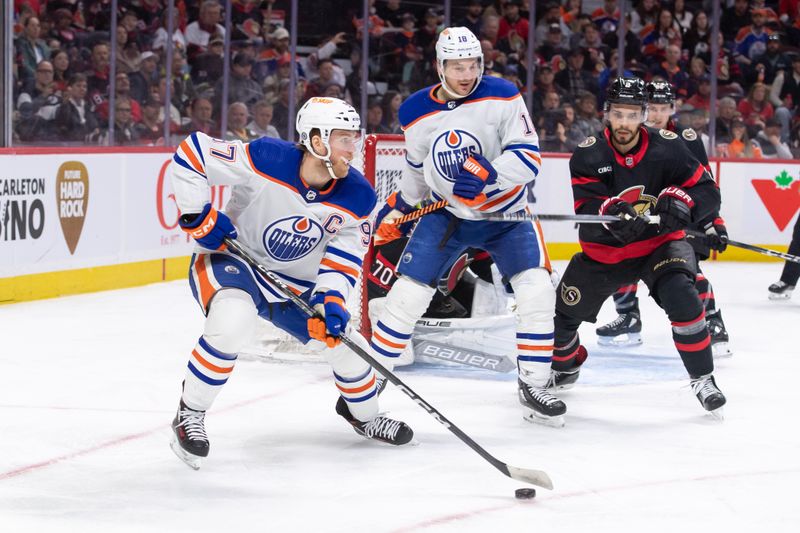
[{"x": 781, "y": 203}]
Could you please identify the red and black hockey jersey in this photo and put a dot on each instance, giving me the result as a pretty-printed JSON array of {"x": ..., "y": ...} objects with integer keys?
[{"x": 660, "y": 159}]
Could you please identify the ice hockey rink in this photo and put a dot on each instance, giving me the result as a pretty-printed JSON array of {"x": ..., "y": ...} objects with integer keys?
[{"x": 91, "y": 382}]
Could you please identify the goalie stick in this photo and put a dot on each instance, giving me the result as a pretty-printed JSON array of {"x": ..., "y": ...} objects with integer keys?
[{"x": 534, "y": 477}]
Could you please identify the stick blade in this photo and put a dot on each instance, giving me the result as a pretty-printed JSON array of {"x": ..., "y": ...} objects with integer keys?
[{"x": 534, "y": 477}]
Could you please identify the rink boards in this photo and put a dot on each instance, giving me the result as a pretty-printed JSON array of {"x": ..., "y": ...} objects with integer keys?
[{"x": 79, "y": 220}]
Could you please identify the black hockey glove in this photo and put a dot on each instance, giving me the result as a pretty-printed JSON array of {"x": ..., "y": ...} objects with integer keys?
[
  {"x": 674, "y": 206},
  {"x": 627, "y": 229},
  {"x": 716, "y": 234}
]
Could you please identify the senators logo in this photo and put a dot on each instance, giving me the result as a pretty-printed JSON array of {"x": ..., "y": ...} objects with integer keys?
[
  {"x": 640, "y": 201},
  {"x": 292, "y": 238},
  {"x": 451, "y": 149}
]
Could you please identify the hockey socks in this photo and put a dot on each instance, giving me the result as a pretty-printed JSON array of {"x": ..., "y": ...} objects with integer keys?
[{"x": 208, "y": 370}]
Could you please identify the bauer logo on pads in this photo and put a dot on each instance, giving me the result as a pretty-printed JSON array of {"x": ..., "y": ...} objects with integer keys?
[{"x": 72, "y": 199}]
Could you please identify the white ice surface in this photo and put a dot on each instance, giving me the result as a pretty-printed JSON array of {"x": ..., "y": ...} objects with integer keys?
[{"x": 91, "y": 382}]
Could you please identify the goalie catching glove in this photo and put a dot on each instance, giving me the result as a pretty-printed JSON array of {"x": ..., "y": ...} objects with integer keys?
[
  {"x": 630, "y": 226},
  {"x": 209, "y": 227},
  {"x": 674, "y": 206},
  {"x": 476, "y": 173},
  {"x": 394, "y": 208},
  {"x": 331, "y": 318}
]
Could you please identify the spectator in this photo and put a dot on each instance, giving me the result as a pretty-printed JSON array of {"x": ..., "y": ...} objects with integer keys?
[
  {"x": 656, "y": 39},
  {"x": 607, "y": 17},
  {"x": 200, "y": 112},
  {"x": 490, "y": 28},
  {"x": 544, "y": 83},
  {"x": 586, "y": 114},
  {"x": 697, "y": 70},
  {"x": 206, "y": 68},
  {"x": 702, "y": 98},
  {"x": 61, "y": 69},
  {"x": 160, "y": 39},
  {"x": 683, "y": 16},
  {"x": 37, "y": 92},
  {"x": 592, "y": 40},
  {"x": 317, "y": 86},
  {"x": 573, "y": 134},
  {"x": 751, "y": 41},
  {"x": 308, "y": 66},
  {"x": 158, "y": 91},
  {"x": 645, "y": 14},
  {"x": 143, "y": 77},
  {"x": 183, "y": 90},
  {"x": 697, "y": 40},
  {"x": 785, "y": 95},
  {"x": 491, "y": 67},
  {"x": 241, "y": 87},
  {"x": 767, "y": 65},
  {"x": 267, "y": 60},
  {"x": 280, "y": 115},
  {"x": 98, "y": 79},
  {"x": 553, "y": 44},
  {"x": 62, "y": 27},
  {"x": 672, "y": 71},
  {"x": 123, "y": 92},
  {"x": 125, "y": 131},
  {"x": 237, "y": 124},
  {"x": 390, "y": 12},
  {"x": 574, "y": 78},
  {"x": 726, "y": 113},
  {"x": 734, "y": 19},
  {"x": 550, "y": 15},
  {"x": 472, "y": 19},
  {"x": 551, "y": 112},
  {"x": 127, "y": 58},
  {"x": 375, "y": 116},
  {"x": 756, "y": 109},
  {"x": 261, "y": 124},
  {"x": 199, "y": 33},
  {"x": 75, "y": 120},
  {"x": 31, "y": 50},
  {"x": 570, "y": 11},
  {"x": 150, "y": 130},
  {"x": 741, "y": 146},
  {"x": 512, "y": 23},
  {"x": 633, "y": 44},
  {"x": 769, "y": 139},
  {"x": 38, "y": 106},
  {"x": 553, "y": 138},
  {"x": 426, "y": 36},
  {"x": 391, "y": 106}
]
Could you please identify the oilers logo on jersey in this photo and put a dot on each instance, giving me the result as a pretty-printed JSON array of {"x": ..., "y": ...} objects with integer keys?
[
  {"x": 291, "y": 238},
  {"x": 451, "y": 149}
]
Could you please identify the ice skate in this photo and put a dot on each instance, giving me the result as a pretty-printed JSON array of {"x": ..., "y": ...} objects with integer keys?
[
  {"x": 719, "y": 335},
  {"x": 780, "y": 290},
  {"x": 566, "y": 379},
  {"x": 540, "y": 406},
  {"x": 380, "y": 428},
  {"x": 709, "y": 395},
  {"x": 625, "y": 330},
  {"x": 189, "y": 439}
]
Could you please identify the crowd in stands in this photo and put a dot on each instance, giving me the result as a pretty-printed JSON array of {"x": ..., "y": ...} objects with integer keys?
[{"x": 62, "y": 59}]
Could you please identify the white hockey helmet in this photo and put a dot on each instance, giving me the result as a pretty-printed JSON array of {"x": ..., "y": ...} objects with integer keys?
[
  {"x": 325, "y": 115},
  {"x": 458, "y": 43}
]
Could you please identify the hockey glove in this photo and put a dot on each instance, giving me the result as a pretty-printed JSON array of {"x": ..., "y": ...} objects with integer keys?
[
  {"x": 209, "y": 228},
  {"x": 674, "y": 206},
  {"x": 628, "y": 228},
  {"x": 476, "y": 173},
  {"x": 394, "y": 208},
  {"x": 331, "y": 318},
  {"x": 716, "y": 234}
]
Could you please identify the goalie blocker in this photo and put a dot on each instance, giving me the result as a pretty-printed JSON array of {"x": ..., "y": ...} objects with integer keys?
[{"x": 467, "y": 323}]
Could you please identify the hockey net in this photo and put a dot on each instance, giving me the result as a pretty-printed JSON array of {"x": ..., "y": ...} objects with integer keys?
[{"x": 381, "y": 162}]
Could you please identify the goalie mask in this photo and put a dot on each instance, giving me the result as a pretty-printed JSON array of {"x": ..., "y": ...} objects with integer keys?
[
  {"x": 326, "y": 115},
  {"x": 458, "y": 43}
]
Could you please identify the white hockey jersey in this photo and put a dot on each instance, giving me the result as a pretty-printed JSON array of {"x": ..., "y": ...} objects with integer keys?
[
  {"x": 440, "y": 136},
  {"x": 308, "y": 237}
]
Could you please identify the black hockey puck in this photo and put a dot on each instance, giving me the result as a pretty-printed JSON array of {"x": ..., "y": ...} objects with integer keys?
[{"x": 525, "y": 494}]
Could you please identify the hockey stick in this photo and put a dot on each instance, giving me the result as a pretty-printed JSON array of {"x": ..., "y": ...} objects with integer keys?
[
  {"x": 534, "y": 477},
  {"x": 758, "y": 249}
]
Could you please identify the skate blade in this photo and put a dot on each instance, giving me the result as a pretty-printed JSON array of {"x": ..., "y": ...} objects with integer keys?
[
  {"x": 621, "y": 341},
  {"x": 568, "y": 386},
  {"x": 718, "y": 414},
  {"x": 537, "y": 418},
  {"x": 721, "y": 349},
  {"x": 782, "y": 296},
  {"x": 193, "y": 461}
]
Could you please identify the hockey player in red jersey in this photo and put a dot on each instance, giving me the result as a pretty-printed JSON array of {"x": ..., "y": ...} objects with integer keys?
[
  {"x": 303, "y": 212},
  {"x": 625, "y": 329},
  {"x": 632, "y": 171}
]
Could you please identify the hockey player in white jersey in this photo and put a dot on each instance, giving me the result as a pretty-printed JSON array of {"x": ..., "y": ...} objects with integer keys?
[
  {"x": 470, "y": 141},
  {"x": 304, "y": 213}
]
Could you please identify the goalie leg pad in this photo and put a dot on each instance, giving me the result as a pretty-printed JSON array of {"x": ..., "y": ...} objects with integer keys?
[
  {"x": 405, "y": 304},
  {"x": 536, "y": 302},
  {"x": 228, "y": 327}
]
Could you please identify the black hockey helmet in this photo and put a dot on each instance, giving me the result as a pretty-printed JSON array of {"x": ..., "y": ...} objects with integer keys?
[
  {"x": 660, "y": 92},
  {"x": 630, "y": 91}
]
